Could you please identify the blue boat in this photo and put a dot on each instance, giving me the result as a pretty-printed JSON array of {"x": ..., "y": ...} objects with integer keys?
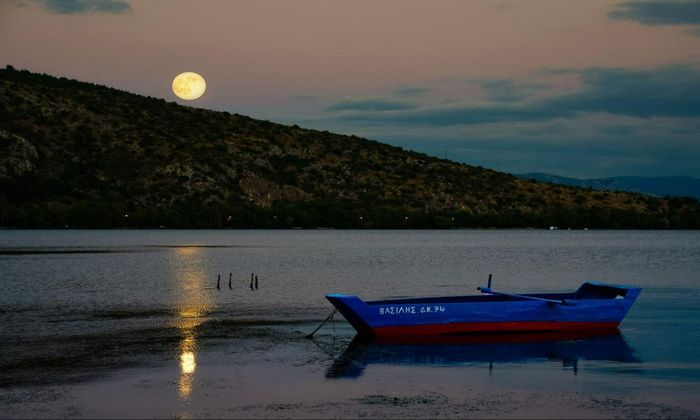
[{"x": 593, "y": 307}]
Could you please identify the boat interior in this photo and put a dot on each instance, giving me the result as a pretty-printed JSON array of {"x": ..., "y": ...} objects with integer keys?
[{"x": 588, "y": 290}]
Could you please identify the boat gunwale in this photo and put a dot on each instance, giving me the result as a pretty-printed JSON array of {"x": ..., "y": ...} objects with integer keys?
[
  {"x": 474, "y": 299},
  {"x": 577, "y": 295}
]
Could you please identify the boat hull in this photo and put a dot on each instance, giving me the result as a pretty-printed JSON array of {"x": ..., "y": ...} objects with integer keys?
[
  {"x": 492, "y": 327},
  {"x": 593, "y": 307}
]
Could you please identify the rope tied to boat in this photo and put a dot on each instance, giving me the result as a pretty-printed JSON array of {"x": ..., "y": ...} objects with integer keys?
[{"x": 322, "y": 324}]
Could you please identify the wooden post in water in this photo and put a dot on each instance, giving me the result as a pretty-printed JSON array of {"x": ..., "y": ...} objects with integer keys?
[
  {"x": 251, "y": 281},
  {"x": 230, "y": 276},
  {"x": 256, "y": 282},
  {"x": 218, "y": 282}
]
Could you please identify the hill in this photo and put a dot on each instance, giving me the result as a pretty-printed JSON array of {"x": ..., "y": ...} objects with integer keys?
[
  {"x": 81, "y": 155},
  {"x": 677, "y": 186}
]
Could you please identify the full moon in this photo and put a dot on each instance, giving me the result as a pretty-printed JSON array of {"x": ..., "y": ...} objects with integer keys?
[{"x": 189, "y": 85}]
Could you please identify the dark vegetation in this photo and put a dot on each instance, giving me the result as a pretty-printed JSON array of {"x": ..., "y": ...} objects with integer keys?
[{"x": 81, "y": 155}]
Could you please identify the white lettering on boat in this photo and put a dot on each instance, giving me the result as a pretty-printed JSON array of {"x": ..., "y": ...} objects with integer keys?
[
  {"x": 400, "y": 310},
  {"x": 397, "y": 310}
]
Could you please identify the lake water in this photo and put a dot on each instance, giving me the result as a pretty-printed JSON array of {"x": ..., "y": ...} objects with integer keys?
[{"x": 91, "y": 319}]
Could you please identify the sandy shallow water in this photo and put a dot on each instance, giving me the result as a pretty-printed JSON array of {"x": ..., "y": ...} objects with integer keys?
[{"x": 274, "y": 372}]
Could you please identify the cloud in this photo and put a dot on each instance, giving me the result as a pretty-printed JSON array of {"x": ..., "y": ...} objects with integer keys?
[
  {"x": 452, "y": 115},
  {"x": 664, "y": 91},
  {"x": 506, "y": 90},
  {"x": 589, "y": 146},
  {"x": 658, "y": 92},
  {"x": 659, "y": 12},
  {"x": 371, "y": 104},
  {"x": 411, "y": 91},
  {"x": 65, "y": 7}
]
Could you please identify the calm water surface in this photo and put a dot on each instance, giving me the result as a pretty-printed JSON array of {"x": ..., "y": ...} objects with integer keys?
[{"x": 78, "y": 307}]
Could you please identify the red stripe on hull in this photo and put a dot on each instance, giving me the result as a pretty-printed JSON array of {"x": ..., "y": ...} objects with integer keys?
[{"x": 490, "y": 327}]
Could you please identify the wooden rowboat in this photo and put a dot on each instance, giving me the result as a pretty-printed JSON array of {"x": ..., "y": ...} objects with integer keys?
[{"x": 593, "y": 307}]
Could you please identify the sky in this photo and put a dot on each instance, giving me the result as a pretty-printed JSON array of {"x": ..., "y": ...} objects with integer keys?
[{"x": 575, "y": 88}]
